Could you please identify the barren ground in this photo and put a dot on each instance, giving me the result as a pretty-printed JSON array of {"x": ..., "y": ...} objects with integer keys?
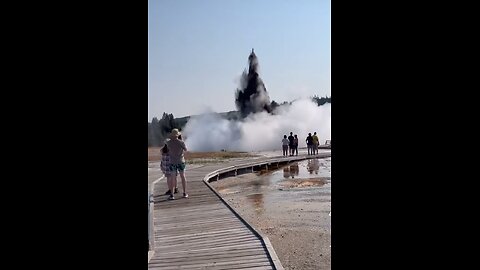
[{"x": 200, "y": 157}]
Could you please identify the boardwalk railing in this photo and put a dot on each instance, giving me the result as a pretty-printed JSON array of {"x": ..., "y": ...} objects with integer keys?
[
  {"x": 257, "y": 166},
  {"x": 151, "y": 234}
]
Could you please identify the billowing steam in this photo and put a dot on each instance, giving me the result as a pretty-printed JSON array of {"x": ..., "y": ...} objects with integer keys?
[
  {"x": 260, "y": 131},
  {"x": 252, "y": 97}
]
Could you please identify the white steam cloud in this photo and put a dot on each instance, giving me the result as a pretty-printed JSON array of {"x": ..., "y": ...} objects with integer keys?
[{"x": 260, "y": 131}]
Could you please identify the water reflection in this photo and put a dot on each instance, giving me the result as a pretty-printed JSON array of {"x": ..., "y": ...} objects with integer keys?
[
  {"x": 257, "y": 201},
  {"x": 262, "y": 191},
  {"x": 313, "y": 165},
  {"x": 291, "y": 171},
  {"x": 258, "y": 183}
]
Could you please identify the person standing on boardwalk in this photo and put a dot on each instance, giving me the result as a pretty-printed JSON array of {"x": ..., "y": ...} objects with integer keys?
[
  {"x": 309, "y": 141},
  {"x": 175, "y": 180},
  {"x": 177, "y": 149},
  {"x": 169, "y": 174},
  {"x": 285, "y": 143},
  {"x": 290, "y": 143},
  {"x": 315, "y": 143},
  {"x": 295, "y": 145}
]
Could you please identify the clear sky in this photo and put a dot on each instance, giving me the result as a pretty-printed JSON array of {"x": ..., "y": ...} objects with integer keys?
[{"x": 197, "y": 50}]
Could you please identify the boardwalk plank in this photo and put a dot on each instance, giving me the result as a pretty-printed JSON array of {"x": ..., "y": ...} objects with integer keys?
[
  {"x": 188, "y": 260},
  {"x": 236, "y": 263},
  {"x": 195, "y": 234},
  {"x": 219, "y": 248},
  {"x": 213, "y": 255},
  {"x": 209, "y": 239},
  {"x": 203, "y": 237},
  {"x": 216, "y": 244}
]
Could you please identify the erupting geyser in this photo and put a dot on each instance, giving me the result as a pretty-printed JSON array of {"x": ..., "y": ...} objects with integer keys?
[
  {"x": 252, "y": 97},
  {"x": 260, "y": 129}
]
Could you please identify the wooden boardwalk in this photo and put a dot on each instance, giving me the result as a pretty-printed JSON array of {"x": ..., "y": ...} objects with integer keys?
[{"x": 203, "y": 231}]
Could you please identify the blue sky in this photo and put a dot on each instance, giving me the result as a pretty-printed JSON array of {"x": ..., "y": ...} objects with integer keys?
[{"x": 197, "y": 50}]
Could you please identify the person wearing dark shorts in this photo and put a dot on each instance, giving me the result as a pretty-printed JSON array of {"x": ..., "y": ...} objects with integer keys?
[{"x": 177, "y": 149}]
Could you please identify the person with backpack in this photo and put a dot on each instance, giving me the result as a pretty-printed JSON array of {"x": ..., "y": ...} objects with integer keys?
[
  {"x": 171, "y": 176},
  {"x": 315, "y": 143},
  {"x": 295, "y": 145}
]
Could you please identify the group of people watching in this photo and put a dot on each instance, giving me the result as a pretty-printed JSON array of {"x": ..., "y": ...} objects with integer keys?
[
  {"x": 173, "y": 160},
  {"x": 290, "y": 144}
]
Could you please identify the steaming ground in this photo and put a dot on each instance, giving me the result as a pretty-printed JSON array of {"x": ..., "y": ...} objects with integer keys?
[{"x": 260, "y": 131}]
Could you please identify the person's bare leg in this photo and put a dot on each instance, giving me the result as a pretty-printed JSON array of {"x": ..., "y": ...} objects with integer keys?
[
  {"x": 184, "y": 182},
  {"x": 170, "y": 184},
  {"x": 174, "y": 183}
]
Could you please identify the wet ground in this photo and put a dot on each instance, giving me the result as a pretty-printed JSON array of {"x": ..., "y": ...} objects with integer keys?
[
  {"x": 291, "y": 206},
  {"x": 155, "y": 173}
]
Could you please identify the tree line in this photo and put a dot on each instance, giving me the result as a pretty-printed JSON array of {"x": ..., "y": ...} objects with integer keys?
[{"x": 158, "y": 130}]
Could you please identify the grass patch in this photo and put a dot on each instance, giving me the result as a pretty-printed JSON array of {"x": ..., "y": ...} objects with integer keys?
[{"x": 201, "y": 157}]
